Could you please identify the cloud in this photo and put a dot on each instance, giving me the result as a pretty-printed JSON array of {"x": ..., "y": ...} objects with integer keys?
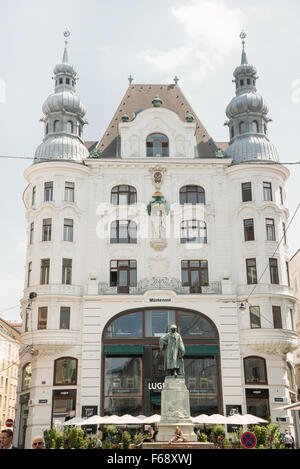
[{"x": 211, "y": 29}]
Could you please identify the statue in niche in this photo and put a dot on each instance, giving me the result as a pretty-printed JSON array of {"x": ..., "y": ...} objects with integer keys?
[{"x": 158, "y": 209}]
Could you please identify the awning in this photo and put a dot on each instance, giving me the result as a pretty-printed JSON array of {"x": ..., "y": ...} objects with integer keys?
[
  {"x": 201, "y": 350},
  {"x": 117, "y": 350}
]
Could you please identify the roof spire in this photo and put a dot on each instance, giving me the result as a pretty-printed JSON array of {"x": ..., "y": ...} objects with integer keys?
[
  {"x": 65, "y": 56},
  {"x": 244, "y": 60}
]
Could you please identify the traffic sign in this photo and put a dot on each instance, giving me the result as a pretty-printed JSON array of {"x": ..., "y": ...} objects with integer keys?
[
  {"x": 248, "y": 440},
  {"x": 9, "y": 423}
]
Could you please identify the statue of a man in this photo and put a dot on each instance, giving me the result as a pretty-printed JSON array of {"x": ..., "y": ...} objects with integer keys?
[{"x": 173, "y": 345}]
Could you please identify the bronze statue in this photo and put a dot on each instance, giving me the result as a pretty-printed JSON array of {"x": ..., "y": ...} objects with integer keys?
[{"x": 173, "y": 345}]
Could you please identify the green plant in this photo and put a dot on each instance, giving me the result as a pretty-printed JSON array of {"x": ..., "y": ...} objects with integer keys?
[
  {"x": 237, "y": 435},
  {"x": 217, "y": 431},
  {"x": 261, "y": 434},
  {"x": 202, "y": 437},
  {"x": 112, "y": 429},
  {"x": 75, "y": 438},
  {"x": 107, "y": 444},
  {"x": 126, "y": 440},
  {"x": 58, "y": 441},
  {"x": 138, "y": 438},
  {"x": 226, "y": 444},
  {"x": 49, "y": 437}
]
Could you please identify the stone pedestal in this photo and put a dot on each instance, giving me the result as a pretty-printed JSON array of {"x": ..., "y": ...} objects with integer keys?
[{"x": 175, "y": 410}]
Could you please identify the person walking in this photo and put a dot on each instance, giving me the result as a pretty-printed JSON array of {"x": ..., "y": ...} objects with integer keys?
[
  {"x": 288, "y": 440},
  {"x": 38, "y": 442},
  {"x": 6, "y": 439}
]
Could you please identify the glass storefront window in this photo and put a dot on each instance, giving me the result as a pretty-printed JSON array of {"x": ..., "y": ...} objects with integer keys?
[
  {"x": 157, "y": 322},
  {"x": 258, "y": 407},
  {"x": 123, "y": 405},
  {"x": 193, "y": 325},
  {"x": 203, "y": 405},
  {"x": 255, "y": 370},
  {"x": 129, "y": 325},
  {"x": 123, "y": 375},
  {"x": 201, "y": 375},
  {"x": 64, "y": 406},
  {"x": 65, "y": 371}
]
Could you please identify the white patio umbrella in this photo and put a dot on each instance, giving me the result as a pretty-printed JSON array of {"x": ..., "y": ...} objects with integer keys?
[
  {"x": 74, "y": 421},
  {"x": 152, "y": 419},
  {"x": 216, "y": 419},
  {"x": 129, "y": 419},
  {"x": 200, "y": 419},
  {"x": 95, "y": 420},
  {"x": 142, "y": 417},
  {"x": 246, "y": 419}
]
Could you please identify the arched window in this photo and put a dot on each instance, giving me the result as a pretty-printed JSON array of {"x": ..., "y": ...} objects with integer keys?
[
  {"x": 255, "y": 127},
  {"x": 56, "y": 126},
  {"x": 193, "y": 231},
  {"x": 255, "y": 370},
  {"x": 232, "y": 132},
  {"x": 79, "y": 130},
  {"x": 47, "y": 128},
  {"x": 192, "y": 195},
  {"x": 26, "y": 377},
  {"x": 123, "y": 231},
  {"x": 242, "y": 127},
  {"x": 65, "y": 371},
  {"x": 70, "y": 127},
  {"x": 157, "y": 145},
  {"x": 123, "y": 195},
  {"x": 265, "y": 129},
  {"x": 133, "y": 366}
]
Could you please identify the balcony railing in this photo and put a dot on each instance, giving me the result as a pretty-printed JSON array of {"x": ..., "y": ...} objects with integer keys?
[{"x": 160, "y": 283}]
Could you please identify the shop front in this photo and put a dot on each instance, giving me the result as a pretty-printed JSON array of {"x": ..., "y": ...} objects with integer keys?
[{"x": 133, "y": 365}]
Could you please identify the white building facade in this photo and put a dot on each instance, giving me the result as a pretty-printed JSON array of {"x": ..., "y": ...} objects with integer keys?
[{"x": 152, "y": 225}]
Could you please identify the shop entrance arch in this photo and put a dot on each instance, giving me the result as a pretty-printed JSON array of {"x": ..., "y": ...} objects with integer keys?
[{"x": 132, "y": 364}]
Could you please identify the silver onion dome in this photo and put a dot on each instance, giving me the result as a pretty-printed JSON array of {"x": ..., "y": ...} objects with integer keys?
[
  {"x": 61, "y": 147},
  {"x": 66, "y": 100},
  {"x": 248, "y": 101},
  {"x": 251, "y": 148}
]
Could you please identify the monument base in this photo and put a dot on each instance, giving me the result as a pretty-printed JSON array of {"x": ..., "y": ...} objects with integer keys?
[{"x": 175, "y": 411}]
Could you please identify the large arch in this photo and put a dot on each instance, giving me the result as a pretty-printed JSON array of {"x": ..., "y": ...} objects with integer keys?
[{"x": 132, "y": 365}]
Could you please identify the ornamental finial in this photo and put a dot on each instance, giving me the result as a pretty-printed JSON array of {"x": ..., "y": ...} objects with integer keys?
[
  {"x": 243, "y": 36},
  {"x": 130, "y": 79},
  {"x": 65, "y": 56}
]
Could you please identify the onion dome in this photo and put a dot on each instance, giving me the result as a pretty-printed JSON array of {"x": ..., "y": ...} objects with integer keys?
[
  {"x": 64, "y": 112},
  {"x": 248, "y": 117}
]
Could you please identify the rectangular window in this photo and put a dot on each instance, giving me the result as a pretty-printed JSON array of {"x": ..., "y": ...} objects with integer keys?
[
  {"x": 45, "y": 271},
  {"x": 288, "y": 273},
  {"x": 31, "y": 233},
  {"x": 273, "y": 264},
  {"x": 64, "y": 317},
  {"x": 33, "y": 195},
  {"x": 42, "y": 317},
  {"x": 255, "y": 322},
  {"x": 123, "y": 274},
  {"x": 68, "y": 229},
  {"x": 249, "y": 229},
  {"x": 247, "y": 192},
  {"x": 267, "y": 191},
  {"x": 48, "y": 191},
  {"x": 270, "y": 227},
  {"x": 69, "y": 191},
  {"x": 251, "y": 271},
  {"x": 29, "y": 273},
  {"x": 66, "y": 271},
  {"x": 47, "y": 229},
  {"x": 284, "y": 233},
  {"x": 281, "y": 194},
  {"x": 277, "y": 320},
  {"x": 194, "y": 274}
]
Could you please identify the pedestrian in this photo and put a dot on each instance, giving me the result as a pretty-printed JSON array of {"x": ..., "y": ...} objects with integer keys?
[
  {"x": 38, "y": 442},
  {"x": 6, "y": 439},
  {"x": 178, "y": 436},
  {"x": 287, "y": 439}
]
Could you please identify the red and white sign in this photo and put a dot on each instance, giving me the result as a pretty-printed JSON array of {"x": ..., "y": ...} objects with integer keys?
[{"x": 9, "y": 423}]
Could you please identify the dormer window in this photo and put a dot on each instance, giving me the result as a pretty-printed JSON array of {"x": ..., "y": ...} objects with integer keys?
[
  {"x": 255, "y": 127},
  {"x": 55, "y": 126},
  {"x": 232, "y": 132},
  {"x": 157, "y": 145},
  {"x": 67, "y": 81},
  {"x": 60, "y": 81},
  {"x": 242, "y": 82}
]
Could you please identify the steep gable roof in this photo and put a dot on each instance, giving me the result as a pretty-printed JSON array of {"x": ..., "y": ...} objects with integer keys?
[{"x": 139, "y": 97}]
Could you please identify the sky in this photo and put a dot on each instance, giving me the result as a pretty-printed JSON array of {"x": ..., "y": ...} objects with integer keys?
[{"x": 197, "y": 40}]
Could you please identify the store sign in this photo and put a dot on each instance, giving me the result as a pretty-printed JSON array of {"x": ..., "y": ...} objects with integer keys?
[
  {"x": 159, "y": 300},
  {"x": 43, "y": 401},
  {"x": 156, "y": 386},
  {"x": 88, "y": 411}
]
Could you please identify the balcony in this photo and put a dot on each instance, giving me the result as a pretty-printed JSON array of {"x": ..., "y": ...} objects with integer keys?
[
  {"x": 50, "y": 337},
  {"x": 265, "y": 288},
  {"x": 159, "y": 283},
  {"x": 55, "y": 289},
  {"x": 274, "y": 341}
]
